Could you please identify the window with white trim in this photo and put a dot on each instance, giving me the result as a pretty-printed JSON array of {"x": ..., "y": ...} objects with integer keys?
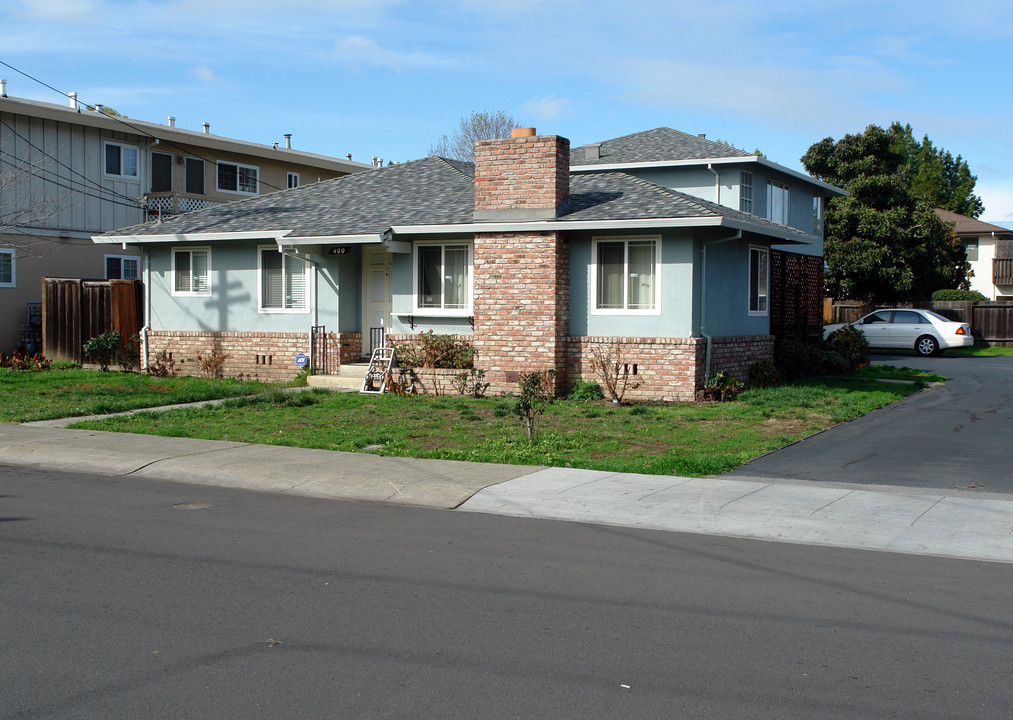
[
  {"x": 443, "y": 277},
  {"x": 777, "y": 202},
  {"x": 626, "y": 275},
  {"x": 191, "y": 271},
  {"x": 759, "y": 280},
  {"x": 293, "y": 180},
  {"x": 817, "y": 215},
  {"x": 233, "y": 177},
  {"x": 971, "y": 248},
  {"x": 8, "y": 277},
  {"x": 283, "y": 281},
  {"x": 122, "y": 267},
  {"x": 120, "y": 160},
  {"x": 746, "y": 191}
]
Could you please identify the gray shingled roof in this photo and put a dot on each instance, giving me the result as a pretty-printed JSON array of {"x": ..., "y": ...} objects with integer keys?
[
  {"x": 433, "y": 191},
  {"x": 659, "y": 144}
]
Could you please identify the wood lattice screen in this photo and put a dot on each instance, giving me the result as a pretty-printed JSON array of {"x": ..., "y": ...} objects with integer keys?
[{"x": 796, "y": 296}]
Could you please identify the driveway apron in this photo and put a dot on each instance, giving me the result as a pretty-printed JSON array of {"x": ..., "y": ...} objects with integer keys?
[{"x": 957, "y": 434}]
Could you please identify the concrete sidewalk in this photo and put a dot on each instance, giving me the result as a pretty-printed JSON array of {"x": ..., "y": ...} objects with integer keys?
[{"x": 951, "y": 523}]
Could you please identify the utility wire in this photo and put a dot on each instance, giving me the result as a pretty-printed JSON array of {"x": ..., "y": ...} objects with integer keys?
[
  {"x": 133, "y": 205},
  {"x": 137, "y": 130}
]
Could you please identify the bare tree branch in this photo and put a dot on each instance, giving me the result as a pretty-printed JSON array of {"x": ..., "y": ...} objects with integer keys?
[{"x": 477, "y": 126}]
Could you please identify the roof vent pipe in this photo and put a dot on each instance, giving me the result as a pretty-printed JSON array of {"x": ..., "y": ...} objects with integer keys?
[
  {"x": 172, "y": 121},
  {"x": 73, "y": 99},
  {"x": 3, "y": 88},
  {"x": 207, "y": 127},
  {"x": 288, "y": 141},
  {"x": 349, "y": 156},
  {"x": 702, "y": 136},
  {"x": 592, "y": 151}
]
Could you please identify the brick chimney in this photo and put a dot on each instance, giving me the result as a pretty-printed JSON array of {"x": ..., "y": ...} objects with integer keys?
[
  {"x": 523, "y": 177},
  {"x": 522, "y": 290}
]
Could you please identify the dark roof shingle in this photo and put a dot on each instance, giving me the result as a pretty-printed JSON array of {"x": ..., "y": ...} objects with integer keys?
[{"x": 657, "y": 145}]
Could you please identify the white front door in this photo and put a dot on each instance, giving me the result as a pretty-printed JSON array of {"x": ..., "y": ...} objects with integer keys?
[{"x": 376, "y": 296}]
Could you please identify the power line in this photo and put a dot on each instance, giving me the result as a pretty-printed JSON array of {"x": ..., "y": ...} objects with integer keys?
[
  {"x": 137, "y": 130},
  {"x": 81, "y": 191}
]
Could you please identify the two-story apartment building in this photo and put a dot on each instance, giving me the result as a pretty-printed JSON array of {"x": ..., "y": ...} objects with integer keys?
[
  {"x": 70, "y": 172},
  {"x": 989, "y": 251}
]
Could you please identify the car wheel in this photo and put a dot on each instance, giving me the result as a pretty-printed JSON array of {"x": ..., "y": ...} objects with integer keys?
[{"x": 926, "y": 345}]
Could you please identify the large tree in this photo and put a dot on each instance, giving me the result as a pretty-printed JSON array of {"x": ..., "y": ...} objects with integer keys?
[
  {"x": 478, "y": 126},
  {"x": 883, "y": 242}
]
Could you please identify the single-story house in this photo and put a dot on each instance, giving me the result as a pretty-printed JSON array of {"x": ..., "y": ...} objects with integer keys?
[{"x": 534, "y": 261}]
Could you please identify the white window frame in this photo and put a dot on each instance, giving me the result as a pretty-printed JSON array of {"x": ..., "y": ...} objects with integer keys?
[
  {"x": 14, "y": 269},
  {"x": 441, "y": 311},
  {"x": 122, "y": 147},
  {"x": 818, "y": 209},
  {"x": 122, "y": 258},
  {"x": 238, "y": 166},
  {"x": 746, "y": 191},
  {"x": 292, "y": 180},
  {"x": 625, "y": 239},
  {"x": 172, "y": 272},
  {"x": 786, "y": 209},
  {"x": 260, "y": 285},
  {"x": 749, "y": 272}
]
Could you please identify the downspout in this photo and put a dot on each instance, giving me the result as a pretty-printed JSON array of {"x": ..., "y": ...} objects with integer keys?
[
  {"x": 703, "y": 297},
  {"x": 717, "y": 183}
]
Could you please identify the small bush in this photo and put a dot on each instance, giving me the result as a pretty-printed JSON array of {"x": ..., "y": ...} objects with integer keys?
[
  {"x": 213, "y": 365},
  {"x": 763, "y": 374},
  {"x": 162, "y": 366},
  {"x": 851, "y": 344},
  {"x": 958, "y": 295},
  {"x": 470, "y": 382},
  {"x": 535, "y": 394},
  {"x": 436, "y": 351},
  {"x": 24, "y": 362},
  {"x": 722, "y": 387},
  {"x": 586, "y": 391},
  {"x": 795, "y": 359},
  {"x": 834, "y": 363},
  {"x": 103, "y": 348}
]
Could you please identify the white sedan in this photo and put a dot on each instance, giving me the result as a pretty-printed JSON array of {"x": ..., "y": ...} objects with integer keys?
[{"x": 922, "y": 330}]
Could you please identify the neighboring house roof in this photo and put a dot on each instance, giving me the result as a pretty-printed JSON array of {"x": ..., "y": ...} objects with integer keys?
[
  {"x": 170, "y": 134},
  {"x": 659, "y": 144},
  {"x": 964, "y": 225},
  {"x": 438, "y": 195}
]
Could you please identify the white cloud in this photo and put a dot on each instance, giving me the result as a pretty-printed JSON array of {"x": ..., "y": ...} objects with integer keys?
[
  {"x": 204, "y": 74},
  {"x": 356, "y": 50},
  {"x": 63, "y": 11},
  {"x": 998, "y": 200},
  {"x": 547, "y": 108}
]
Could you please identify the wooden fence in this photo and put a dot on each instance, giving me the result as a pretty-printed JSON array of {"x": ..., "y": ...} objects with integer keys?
[
  {"x": 991, "y": 322},
  {"x": 74, "y": 311}
]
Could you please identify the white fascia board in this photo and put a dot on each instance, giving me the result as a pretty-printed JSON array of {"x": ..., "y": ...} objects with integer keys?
[
  {"x": 332, "y": 240},
  {"x": 188, "y": 237},
  {"x": 659, "y": 164}
]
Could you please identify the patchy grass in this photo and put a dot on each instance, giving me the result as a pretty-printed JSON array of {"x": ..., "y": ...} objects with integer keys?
[
  {"x": 980, "y": 351},
  {"x": 889, "y": 372},
  {"x": 71, "y": 392},
  {"x": 692, "y": 439}
]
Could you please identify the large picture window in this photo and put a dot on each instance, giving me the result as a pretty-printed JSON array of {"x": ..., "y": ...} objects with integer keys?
[
  {"x": 191, "y": 271},
  {"x": 237, "y": 178},
  {"x": 759, "y": 276},
  {"x": 625, "y": 275},
  {"x": 777, "y": 202},
  {"x": 120, "y": 160},
  {"x": 443, "y": 277},
  {"x": 282, "y": 281},
  {"x": 7, "y": 276}
]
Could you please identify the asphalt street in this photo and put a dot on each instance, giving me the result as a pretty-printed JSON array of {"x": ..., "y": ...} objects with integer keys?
[
  {"x": 957, "y": 434},
  {"x": 125, "y": 598}
]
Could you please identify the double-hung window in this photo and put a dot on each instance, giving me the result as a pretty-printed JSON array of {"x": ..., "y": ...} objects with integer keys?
[
  {"x": 236, "y": 178},
  {"x": 759, "y": 280},
  {"x": 283, "y": 281},
  {"x": 122, "y": 267},
  {"x": 120, "y": 160},
  {"x": 817, "y": 215},
  {"x": 746, "y": 191},
  {"x": 777, "y": 202},
  {"x": 443, "y": 277},
  {"x": 293, "y": 180},
  {"x": 626, "y": 275},
  {"x": 191, "y": 271},
  {"x": 8, "y": 278},
  {"x": 194, "y": 171}
]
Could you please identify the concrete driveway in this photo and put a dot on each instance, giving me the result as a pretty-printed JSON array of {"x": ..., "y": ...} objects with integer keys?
[{"x": 956, "y": 434}]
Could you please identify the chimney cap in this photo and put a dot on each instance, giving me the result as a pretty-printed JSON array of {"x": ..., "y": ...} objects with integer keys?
[{"x": 522, "y": 132}]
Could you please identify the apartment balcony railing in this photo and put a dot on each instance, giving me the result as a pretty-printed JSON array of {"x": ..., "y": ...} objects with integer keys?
[
  {"x": 164, "y": 204},
  {"x": 1002, "y": 271}
]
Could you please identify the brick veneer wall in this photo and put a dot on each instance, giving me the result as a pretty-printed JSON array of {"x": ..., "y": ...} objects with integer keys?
[
  {"x": 522, "y": 302},
  {"x": 266, "y": 356},
  {"x": 522, "y": 173},
  {"x": 670, "y": 368}
]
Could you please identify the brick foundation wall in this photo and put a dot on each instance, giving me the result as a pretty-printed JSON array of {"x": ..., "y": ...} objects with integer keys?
[
  {"x": 670, "y": 369},
  {"x": 522, "y": 301},
  {"x": 265, "y": 356}
]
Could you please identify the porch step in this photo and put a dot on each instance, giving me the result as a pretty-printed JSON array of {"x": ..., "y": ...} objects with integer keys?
[{"x": 350, "y": 378}]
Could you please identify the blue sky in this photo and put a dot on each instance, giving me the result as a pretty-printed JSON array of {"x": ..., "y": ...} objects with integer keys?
[{"x": 388, "y": 77}]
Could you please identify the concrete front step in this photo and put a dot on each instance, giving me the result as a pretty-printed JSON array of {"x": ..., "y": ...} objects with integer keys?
[{"x": 350, "y": 378}]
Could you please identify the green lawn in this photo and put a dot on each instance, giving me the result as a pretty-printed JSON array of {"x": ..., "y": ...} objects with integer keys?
[
  {"x": 67, "y": 393},
  {"x": 683, "y": 439}
]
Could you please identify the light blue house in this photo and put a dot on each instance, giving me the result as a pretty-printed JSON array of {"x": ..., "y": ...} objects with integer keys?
[{"x": 656, "y": 246}]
